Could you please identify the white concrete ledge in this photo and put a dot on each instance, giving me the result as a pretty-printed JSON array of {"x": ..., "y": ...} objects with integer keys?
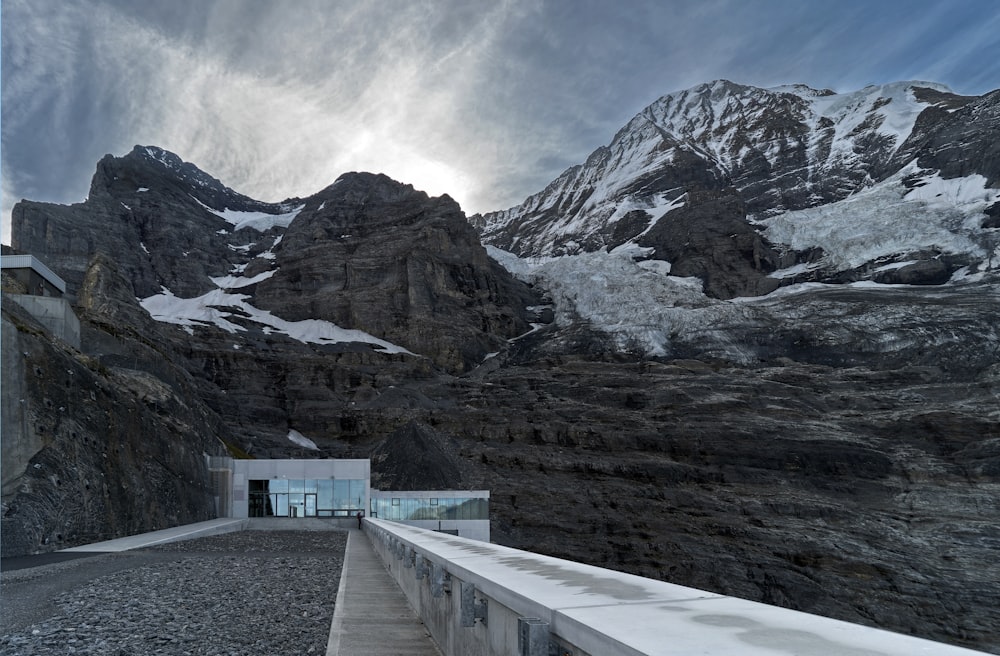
[
  {"x": 175, "y": 534},
  {"x": 591, "y": 611}
]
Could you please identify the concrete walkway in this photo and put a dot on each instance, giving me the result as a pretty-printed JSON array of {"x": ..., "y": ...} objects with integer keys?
[{"x": 372, "y": 617}]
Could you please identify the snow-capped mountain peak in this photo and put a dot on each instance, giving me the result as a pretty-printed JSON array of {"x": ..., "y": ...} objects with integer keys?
[{"x": 770, "y": 151}]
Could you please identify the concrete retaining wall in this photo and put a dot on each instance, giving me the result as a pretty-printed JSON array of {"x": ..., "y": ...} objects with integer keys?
[
  {"x": 480, "y": 599},
  {"x": 56, "y": 314}
]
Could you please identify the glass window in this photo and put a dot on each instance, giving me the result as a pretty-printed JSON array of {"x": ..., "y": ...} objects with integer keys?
[
  {"x": 357, "y": 493},
  {"x": 324, "y": 493},
  {"x": 279, "y": 502},
  {"x": 278, "y": 485}
]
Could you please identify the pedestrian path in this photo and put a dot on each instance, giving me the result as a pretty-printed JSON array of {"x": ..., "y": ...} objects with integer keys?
[{"x": 371, "y": 616}]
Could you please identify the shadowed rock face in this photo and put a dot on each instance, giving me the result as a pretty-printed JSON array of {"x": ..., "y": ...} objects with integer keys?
[
  {"x": 94, "y": 451},
  {"x": 415, "y": 457},
  {"x": 709, "y": 238},
  {"x": 148, "y": 211},
  {"x": 833, "y": 450},
  {"x": 864, "y": 495},
  {"x": 379, "y": 255}
]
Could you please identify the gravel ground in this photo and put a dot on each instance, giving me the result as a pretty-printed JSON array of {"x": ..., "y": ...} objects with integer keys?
[{"x": 260, "y": 593}]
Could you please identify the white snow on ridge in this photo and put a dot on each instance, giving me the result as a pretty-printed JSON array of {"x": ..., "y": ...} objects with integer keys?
[
  {"x": 217, "y": 307},
  {"x": 259, "y": 221},
  {"x": 969, "y": 194},
  {"x": 794, "y": 270},
  {"x": 849, "y": 110}
]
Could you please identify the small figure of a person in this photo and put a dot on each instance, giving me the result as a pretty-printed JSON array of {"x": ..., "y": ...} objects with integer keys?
[{"x": 361, "y": 513}]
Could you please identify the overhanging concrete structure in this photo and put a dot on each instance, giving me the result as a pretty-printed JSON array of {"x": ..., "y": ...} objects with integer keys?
[
  {"x": 43, "y": 297},
  {"x": 38, "y": 279},
  {"x": 486, "y": 600}
]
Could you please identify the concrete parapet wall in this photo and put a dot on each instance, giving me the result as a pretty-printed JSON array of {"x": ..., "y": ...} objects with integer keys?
[{"x": 476, "y": 598}]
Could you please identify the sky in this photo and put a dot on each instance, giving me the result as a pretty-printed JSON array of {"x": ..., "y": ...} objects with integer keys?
[{"x": 485, "y": 100}]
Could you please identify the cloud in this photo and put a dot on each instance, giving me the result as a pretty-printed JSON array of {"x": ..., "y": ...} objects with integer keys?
[{"x": 486, "y": 101}]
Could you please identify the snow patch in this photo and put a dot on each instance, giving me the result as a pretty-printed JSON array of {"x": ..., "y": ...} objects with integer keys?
[
  {"x": 794, "y": 270},
  {"x": 235, "y": 282},
  {"x": 259, "y": 221},
  {"x": 895, "y": 265},
  {"x": 217, "y": 307},
  {"x": 301, "y": 440}
]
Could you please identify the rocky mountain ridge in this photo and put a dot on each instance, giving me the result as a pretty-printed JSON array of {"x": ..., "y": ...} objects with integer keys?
[
  {"x": 764, "y": 155},
  {"x": 667, "y": 409}
]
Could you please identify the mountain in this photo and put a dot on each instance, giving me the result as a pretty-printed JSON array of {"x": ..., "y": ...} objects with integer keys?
[
  {"x": 198, "y": 253},
  {"x": 749, "y": 189},
  {"x": 739, "y": 395}
]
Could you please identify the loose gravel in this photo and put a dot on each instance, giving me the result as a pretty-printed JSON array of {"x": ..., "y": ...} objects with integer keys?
[{"x": 260, "y": 593}]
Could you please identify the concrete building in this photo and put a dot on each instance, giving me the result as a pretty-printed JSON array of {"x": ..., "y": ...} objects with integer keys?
[
  {"x": 40, "y": 291},
  {"x": 338, "y": 490}
]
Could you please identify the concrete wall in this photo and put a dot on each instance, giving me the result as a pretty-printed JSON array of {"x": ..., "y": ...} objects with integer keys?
[
  {"x": 56, "y": 314},
  {"x": 20, "y": 442},
  {"x": 580, "y": 610}
]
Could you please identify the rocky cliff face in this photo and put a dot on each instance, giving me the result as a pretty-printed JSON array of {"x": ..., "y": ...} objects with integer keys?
[
  {"x": 380, "y": 256},
  {"x": 98, "y": 449},
  {"x": 691, "y": 405}
]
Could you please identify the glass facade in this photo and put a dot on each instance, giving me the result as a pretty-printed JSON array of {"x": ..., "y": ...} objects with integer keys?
[
  {"x": 323, "y": 497},
  {"x": 402, "y": 509}
]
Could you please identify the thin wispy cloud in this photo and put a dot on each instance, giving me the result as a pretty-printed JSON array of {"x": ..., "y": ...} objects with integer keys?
[{"x": 485, "y": 101}]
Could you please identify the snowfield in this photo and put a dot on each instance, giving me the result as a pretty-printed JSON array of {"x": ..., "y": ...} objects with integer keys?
[{"x": 888, "y": 219}]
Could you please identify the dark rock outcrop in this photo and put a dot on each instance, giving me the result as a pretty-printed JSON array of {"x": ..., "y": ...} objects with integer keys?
[
  {"x": 415, "y": 457},
  {"x": 710, "y": 238},
  {"x": 380, "y": 256}
]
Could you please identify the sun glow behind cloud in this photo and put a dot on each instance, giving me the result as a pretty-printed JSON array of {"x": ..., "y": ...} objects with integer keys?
[
  {"x": 270, "y": 134},
  {"x": 484, "y": 101}
]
